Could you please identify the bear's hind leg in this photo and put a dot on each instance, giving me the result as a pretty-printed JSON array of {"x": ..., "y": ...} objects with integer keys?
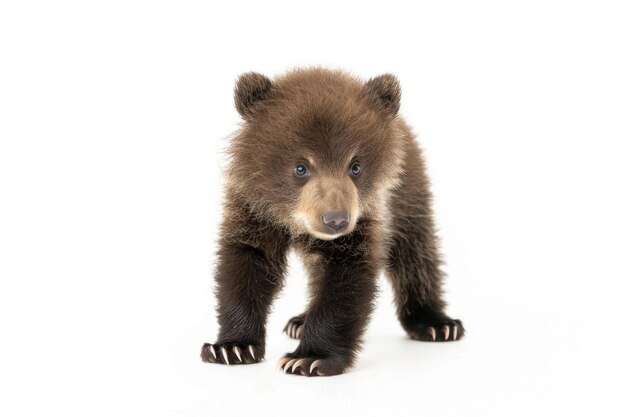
[{"x": 413, "y": 264}]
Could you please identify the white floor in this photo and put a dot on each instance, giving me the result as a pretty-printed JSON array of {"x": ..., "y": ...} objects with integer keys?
[
  {"x": 533, "y": 350},
  {"x": 538, "y": 353}
]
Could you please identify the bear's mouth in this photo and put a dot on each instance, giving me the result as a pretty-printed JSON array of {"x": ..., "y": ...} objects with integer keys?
[{"x": 328, "y": 235}]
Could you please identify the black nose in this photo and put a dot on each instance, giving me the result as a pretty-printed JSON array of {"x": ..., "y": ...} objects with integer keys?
[{"x": 336, "y": 220}]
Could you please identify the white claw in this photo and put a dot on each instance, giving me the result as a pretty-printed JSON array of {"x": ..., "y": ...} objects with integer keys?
[
  {"x": 281, "y": 362},
  {"x": 314, "y": 365},
  {"x": 432, "y": 333},
  {"x": 213, "y": 352},
  {"x": 225, "y": 355},
  {"x": 454, "y": 332},
  {"x": 289, "y": 329},
  {"x": 297, "y": 365},
  {"x": 238, "y": 353},
  {"x": 251, "y": 350},
  {"x": 446, "y": 332},
  {"x": 291, "y": 362},
  {"x": 299, "y": 331}
]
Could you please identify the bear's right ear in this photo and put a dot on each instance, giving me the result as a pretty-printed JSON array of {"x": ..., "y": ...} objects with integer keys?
[
  {"x": 251, "y": 88},
  {"x": 386, "y": 89}
]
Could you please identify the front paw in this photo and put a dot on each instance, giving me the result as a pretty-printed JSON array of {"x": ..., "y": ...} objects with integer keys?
[
  {"x": 231, "y": 353},
  {"x": 311, "y": 365},
  {"x": 444, "y": 330}
]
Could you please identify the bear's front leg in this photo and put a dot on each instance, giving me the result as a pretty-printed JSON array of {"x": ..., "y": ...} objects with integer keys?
[
  {"x": 248, "y": 277},
  {"x": 339, "y": 311}
]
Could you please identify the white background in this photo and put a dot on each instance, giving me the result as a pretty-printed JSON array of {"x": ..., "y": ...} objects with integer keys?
[{"x": 113, "y": 121}]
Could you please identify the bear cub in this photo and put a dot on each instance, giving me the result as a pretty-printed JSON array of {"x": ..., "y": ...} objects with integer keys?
[{"x": 324, "y": 165}]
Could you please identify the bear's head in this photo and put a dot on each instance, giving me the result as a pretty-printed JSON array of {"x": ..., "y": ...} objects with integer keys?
[{"x": 318, "y": 149}]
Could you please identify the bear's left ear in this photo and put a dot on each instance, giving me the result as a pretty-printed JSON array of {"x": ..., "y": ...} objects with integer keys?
[
  {"x": 251, "y": 88},
  {"x": 386, "y": 89}
]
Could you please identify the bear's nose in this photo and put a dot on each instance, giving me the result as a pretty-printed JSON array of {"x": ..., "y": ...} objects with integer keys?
[{"x": 336, "y": 219}]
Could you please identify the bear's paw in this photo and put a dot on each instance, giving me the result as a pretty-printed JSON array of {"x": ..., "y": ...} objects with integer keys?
[
  {"x": 447, "y": 331},
  {"x": 312, "y": 366},
  {"x": 230, "y": 353}
]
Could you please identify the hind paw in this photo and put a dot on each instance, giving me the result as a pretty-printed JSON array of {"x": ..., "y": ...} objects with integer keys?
[
  {"x": 294, "y": 326},
  {"x": 447, "y": 330}
]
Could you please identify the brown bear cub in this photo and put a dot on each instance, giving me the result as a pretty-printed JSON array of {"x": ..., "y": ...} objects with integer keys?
[{"x": 324, "y": 165}]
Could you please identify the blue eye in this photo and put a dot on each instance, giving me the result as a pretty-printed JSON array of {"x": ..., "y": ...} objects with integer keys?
[
  {"x": 355, "y": 169},
  {"x": 301, "y": 170}
]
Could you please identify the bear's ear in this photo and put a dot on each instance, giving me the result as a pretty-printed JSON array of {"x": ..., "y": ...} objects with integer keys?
[
  {"x": 386, "y": 89},
  {"x": 251, "y": 88}
]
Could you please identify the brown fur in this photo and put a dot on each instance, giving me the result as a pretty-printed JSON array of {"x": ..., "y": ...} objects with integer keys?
[{"x": 328, "y": 121}]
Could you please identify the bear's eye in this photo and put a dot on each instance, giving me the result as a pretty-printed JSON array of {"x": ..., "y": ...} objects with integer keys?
[
  {"x": 301, "y": 170},
  {"x": 355, "y": 169}
]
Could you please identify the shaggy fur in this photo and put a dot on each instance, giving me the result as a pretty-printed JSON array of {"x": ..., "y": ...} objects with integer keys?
[{"x": 357, "y": 157}]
